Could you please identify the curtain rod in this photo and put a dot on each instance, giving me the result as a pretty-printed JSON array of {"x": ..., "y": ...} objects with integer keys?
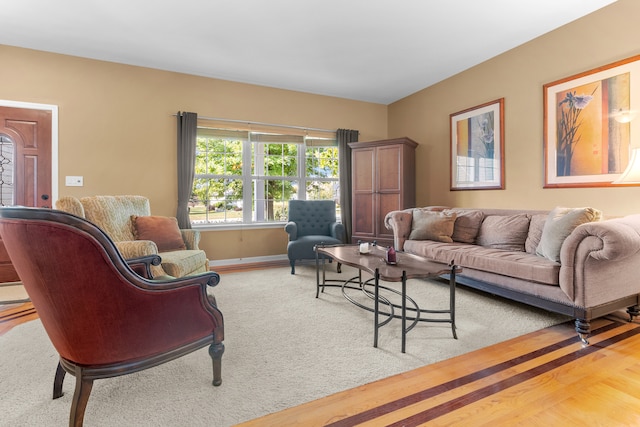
[{"x": 263, "y": 124}]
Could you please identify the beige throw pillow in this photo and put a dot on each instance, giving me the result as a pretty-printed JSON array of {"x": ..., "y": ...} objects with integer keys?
[
  {"x": 430, "y": 225},
  {"x": 535, "y": 232},
  {"x": 559, "y": 224}
]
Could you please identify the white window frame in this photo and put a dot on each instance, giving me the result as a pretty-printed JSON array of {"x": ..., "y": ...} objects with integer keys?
[{"x": 253, "y": 180}]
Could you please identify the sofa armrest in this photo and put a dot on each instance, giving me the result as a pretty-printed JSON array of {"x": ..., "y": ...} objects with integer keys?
[
  {"x": 600, "y": 261},
  {"x": 191, "y": 238},
  {"x": 615, "y": 239},
  {"x": 400, "y": 223},
  {"x": 292, "y": 229},
  {"x": 336, "y": 230}
]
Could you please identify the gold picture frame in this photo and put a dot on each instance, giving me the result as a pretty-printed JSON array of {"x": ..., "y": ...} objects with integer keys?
[
  {"x": 477, "y": 147},
  {"x": 587, "y": 125}
]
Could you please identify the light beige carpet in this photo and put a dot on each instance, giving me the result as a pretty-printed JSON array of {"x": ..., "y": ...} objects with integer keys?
[{"x": 284, "y": 347}]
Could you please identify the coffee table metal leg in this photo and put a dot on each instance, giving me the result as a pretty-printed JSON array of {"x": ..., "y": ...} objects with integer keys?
[
  {"x": 376, "y": 304},
  {"x": 404, "y": 310},
  {"x": 317, "y": 272},
  {"x": 320, "y": 283},
  {"x": 452, "y": 299}
]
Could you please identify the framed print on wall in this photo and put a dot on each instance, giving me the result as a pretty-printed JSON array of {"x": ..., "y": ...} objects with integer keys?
[
  {"x": 477, "y": 147},
  {"x": 588, "y": 127}
]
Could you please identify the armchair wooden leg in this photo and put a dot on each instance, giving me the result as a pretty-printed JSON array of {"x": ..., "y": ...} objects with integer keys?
[
  {"x": 293, "y": 266},
  {"x": 80, "y": 399},
  {"x": 58, "y": 380},
  {"x": 215, "y": 351}
]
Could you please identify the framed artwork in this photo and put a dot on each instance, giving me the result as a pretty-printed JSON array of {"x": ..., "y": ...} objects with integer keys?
[
  {"x": 588, "y": 125},
  {"x": 477, "y": 147}
]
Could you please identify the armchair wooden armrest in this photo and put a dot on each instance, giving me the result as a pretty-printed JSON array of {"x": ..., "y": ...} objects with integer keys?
[
  {"x": 204, "y": 280},
  {"x": 142, "y": 265}
]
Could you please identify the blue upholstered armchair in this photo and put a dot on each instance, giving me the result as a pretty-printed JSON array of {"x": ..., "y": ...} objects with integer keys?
[{"x": 311, "y": 222}]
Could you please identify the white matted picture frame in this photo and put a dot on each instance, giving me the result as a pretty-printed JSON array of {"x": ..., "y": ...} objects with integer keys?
[
  {"x": 588, "y": 125},
  {"x": 477, "y": 147}
]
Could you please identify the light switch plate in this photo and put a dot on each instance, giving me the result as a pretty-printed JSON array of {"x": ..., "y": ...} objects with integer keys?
[{"x": 74, "y": 181}]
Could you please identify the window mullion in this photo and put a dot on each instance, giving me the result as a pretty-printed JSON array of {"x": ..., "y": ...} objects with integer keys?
[
  {"x": 302, "y": 174},
  {"x": 247, "y": 181}
]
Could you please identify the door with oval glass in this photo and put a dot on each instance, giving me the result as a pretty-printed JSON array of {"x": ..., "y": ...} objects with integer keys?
[{"x": 25, "y": 166}]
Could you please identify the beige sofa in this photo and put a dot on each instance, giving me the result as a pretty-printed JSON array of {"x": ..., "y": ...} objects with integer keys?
[
  {"x": 585, "y": 268},
  {"x": 127, "y": 220}
]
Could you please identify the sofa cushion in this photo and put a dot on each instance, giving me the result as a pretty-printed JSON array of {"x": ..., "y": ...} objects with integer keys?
[
  {"x": 467, "y": 224},
  {"x": 507, "y": 232},
  {"x": 430, "y": 225},
  {"x": 161, "y": 230},
  {"x": 559, "y": 224},
  {"x": 518, "y": 264}
]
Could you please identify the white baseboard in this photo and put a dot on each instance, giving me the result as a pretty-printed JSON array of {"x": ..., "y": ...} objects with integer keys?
[{"x": 252, "y": 260}]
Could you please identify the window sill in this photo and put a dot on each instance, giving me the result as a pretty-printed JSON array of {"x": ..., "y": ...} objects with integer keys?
[{"x": 239, "y": 226}]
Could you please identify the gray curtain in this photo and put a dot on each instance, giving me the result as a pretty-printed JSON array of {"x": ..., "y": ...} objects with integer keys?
[
  {"x": 344, "y": 137},
  {"x": 187, "y": 131}
]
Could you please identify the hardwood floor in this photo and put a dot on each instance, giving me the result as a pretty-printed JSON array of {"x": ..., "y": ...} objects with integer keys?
[
  {"x": 546, "y": 378},
  {"x": 14, "y": 314}
]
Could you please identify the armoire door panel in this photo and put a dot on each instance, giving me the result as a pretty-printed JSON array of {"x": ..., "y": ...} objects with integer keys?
[
  {"x": 389, "y": 165},
  {"x": 363, "y": 171},
  {"x": 386, "y": 203},
  {"x": 363, "y": 219}
]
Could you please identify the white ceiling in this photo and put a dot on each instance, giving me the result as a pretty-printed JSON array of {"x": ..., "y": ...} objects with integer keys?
[{"x": 370, "y": 50}]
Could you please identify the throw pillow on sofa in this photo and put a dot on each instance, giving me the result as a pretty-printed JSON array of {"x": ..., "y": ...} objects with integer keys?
[
  {"x": 467, "y": 224},
  {"x": 535, "y": 232},
  {"x": 507, "y": 232},
  {"x": 559, "y": 224},
  {"x": 161, "y": 230},
  {"x": 431, "y": 225}
]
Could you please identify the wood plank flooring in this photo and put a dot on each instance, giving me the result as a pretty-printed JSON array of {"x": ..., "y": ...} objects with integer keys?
[
  {"x": 545, "y": 378},
  {"x": 14, "y": 314}
]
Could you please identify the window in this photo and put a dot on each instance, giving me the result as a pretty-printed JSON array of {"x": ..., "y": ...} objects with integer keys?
[
  {"x": 245, "y": 177},
  {"x": 7, "y": 161}
]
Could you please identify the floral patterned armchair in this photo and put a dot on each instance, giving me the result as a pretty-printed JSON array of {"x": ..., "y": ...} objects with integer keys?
[{"x": 127, "y": 220}]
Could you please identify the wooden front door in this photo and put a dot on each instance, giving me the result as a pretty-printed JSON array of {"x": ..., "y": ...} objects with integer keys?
[{"x": 25, "y": 166}]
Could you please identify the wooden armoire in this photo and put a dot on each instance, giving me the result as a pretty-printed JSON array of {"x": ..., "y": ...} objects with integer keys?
[{"x": 383, "y": 180}]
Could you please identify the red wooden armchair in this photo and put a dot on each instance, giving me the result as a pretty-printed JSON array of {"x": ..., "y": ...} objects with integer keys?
[{"x": 103, "y": 319}]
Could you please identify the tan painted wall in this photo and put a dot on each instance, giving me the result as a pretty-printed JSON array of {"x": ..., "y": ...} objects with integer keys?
[
  {"x": 117, "y": 130},
  {"x": 518, "y": 75}
]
